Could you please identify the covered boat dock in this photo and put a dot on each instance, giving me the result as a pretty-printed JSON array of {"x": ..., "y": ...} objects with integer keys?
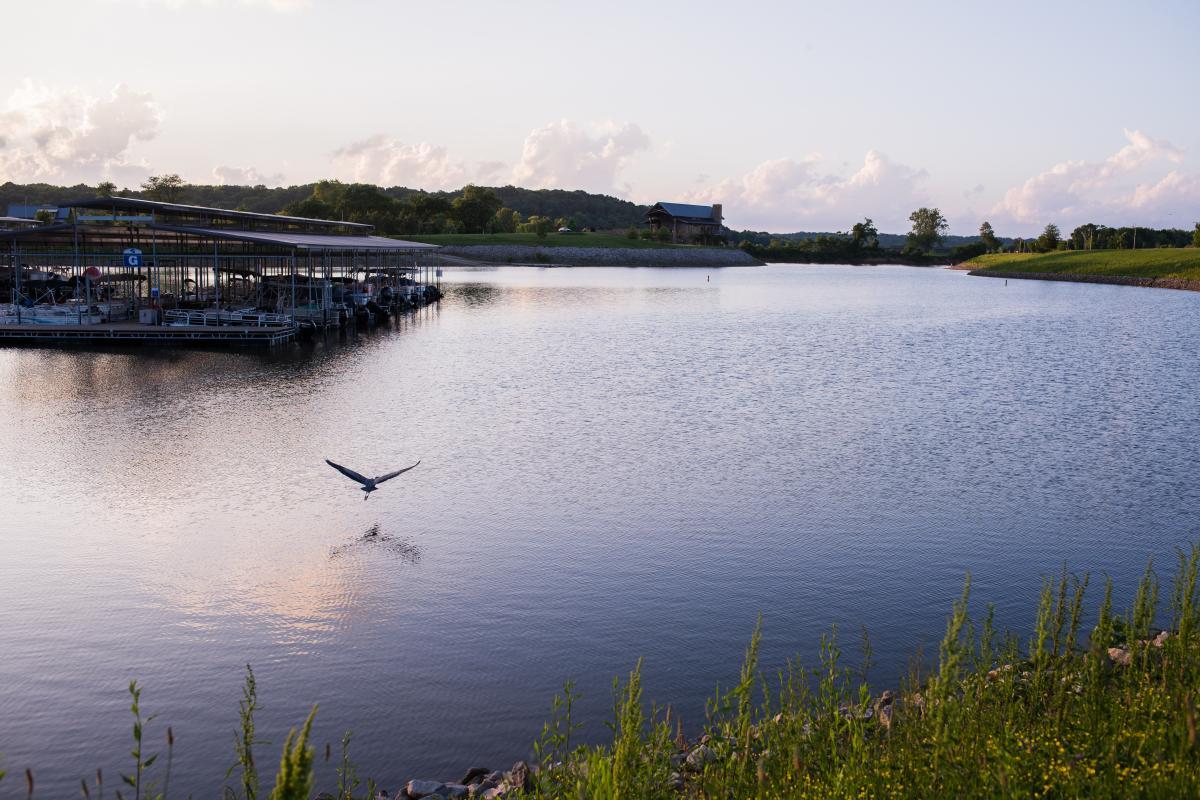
[{"x": 125, "y": 268}]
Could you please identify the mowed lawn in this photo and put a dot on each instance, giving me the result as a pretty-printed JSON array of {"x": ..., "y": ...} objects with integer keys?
[
  {"x": 1181, "y": 263},
  {"x": 606, "y": 240}
]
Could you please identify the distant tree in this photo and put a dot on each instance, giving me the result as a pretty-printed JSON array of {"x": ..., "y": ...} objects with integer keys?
[
  {"x": 475, "y": 207},
  {"x": 927, "y": 230},
  {"x": 105, "y": 188},
  {"x": 632, "y": 233},
  {"x": 1196, "y": 236},
  {"x": 1084, "y": 236},
  {"x": 165, "y": 188},
  {"x": 1049, "y": 239},
  {"x": 543, "y": 226},
  {"x": 988, "y": 237},
  {"x": 44, "y": 216},
  {"x": 663, "y": 234},
  {"x": 506, "y": 221},
  {"x": 425, "y": 213},
  {"x": 864, "y": 234}
]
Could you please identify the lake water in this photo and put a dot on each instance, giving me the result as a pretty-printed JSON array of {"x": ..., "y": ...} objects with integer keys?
[{"x": 614, "y": 463}]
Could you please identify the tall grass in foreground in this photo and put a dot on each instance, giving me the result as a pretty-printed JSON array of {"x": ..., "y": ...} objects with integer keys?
[
  {"x": 1112, "y": 714},
  {"x": 996, "y": 718}
]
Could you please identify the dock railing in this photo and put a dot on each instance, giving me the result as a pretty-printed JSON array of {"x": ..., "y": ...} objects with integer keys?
[{"x": 210, "y": 318}]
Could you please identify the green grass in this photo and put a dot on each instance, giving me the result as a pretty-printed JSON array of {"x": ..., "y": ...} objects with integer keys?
[
  {"x": 1106, "y": 710},
  {"x": 1181, "y": 263},
  {"x": 606, "y": 240}
]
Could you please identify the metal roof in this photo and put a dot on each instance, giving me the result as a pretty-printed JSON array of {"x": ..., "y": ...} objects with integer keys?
[
  {"x": 685, "y": 210},
  {"x": 302, "y": 241},
  {"x": 137, "y": 204}
]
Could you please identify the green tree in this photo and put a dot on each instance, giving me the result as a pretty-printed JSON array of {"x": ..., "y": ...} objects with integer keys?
[
  {"x": 864, "y": 234},
  {"x": 1049, "y": 239},
  {"x": 988, "y": 237},
  {"x": 506, "y": 221},
  {"x": 165, "y": 188},
  {"x": 1196, "y": 236},
  {"x": 927, "y": 230},
  {"x": 475, "y": 207},
  {"x": 106, "y": 188},
  {"x": 632, "y": 233},
  {"x": 44, "y": 216}
]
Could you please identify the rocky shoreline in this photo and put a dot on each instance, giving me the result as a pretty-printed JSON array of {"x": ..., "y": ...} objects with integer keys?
[
  {"x": 692, "y": 758},
  {"x": 1116, "y": 280},
  {"x": 603, "y": 256}
]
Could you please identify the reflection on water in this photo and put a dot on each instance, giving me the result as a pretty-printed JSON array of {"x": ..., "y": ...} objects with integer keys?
[
  {"x": 615, "y": 463},
  {"x": 374, "y": 540}
]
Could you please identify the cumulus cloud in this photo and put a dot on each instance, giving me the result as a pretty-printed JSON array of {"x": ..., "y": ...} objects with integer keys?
[
  {"x": 786, "y": 195},
  {"x": 61, "y": 135},
  {"x": 284, "y": 6},
  {"x": 1127, "y": 187},
  {"x": 388, "y": 162},
  {"x": 244, "y": 176},
  {"x": 565, "y": 155}
]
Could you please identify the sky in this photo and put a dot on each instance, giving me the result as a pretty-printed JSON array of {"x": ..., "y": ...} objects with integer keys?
[{"x": 792, "y": 115}]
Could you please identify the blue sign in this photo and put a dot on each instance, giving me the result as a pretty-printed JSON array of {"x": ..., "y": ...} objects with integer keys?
[
  {"x": 154, "y": 293},
  {"x": 133, "y": 257}
]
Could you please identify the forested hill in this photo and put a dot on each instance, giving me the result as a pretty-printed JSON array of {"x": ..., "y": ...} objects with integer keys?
[
  {"x": 887, "y": 241},
  {"x": 582, "y": 208}
]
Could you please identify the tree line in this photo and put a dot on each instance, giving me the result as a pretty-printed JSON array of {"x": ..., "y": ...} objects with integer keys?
[{"x": 394, "y": 210}]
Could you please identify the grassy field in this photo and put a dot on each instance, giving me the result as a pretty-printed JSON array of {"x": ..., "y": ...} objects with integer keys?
[
  {"x": 1181, "y": 263},
  {"x": 606, "y": 240},
  {"x": 1106, "y": 710}
]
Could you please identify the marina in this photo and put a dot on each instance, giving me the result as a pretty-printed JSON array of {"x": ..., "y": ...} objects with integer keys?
[{"x": 117, "y": 269}]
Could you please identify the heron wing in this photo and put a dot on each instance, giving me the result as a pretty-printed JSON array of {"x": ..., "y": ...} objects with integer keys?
[
  {"x": 391, "y": 475},
  {"x": 349, "y": 473}
]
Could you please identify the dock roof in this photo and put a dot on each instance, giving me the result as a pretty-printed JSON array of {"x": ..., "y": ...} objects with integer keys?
[
  {"x": 215, "y": 215},
  {"x": 301, "y": 241}
]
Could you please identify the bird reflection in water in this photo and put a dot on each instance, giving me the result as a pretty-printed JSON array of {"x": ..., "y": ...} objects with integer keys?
[{"x": 376, "y": 539}]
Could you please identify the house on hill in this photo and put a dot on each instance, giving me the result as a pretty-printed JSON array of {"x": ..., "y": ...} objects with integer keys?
[{"x": 687, "y": 223}]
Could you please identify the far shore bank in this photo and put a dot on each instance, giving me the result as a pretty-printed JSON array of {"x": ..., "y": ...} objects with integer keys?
[
  {"x": 1156, "y": 268},
  {"x": 558, "y": 256},
  {"x": 1115, "y": 280}
]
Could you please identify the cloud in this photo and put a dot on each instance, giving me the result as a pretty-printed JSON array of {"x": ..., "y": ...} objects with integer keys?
[
  {"x": 244, "y": 176},
  {"x": 388, "y": 162},
  {"x": 283, "y": 6},
  {"x": 788, "y": 195},
  {"x": 61, "y": 135},
  {"x": 1127, "y": 187},
  {"x": 564, "y": 155}
]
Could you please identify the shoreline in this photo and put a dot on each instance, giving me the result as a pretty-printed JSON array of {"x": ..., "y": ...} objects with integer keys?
[
  {"x": 1178, "y": 284},
  {"x": 532, "y": 255}
]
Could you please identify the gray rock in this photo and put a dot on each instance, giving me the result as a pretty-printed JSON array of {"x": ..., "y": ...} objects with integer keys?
[
  {"x": 494, "y": 793},
  {"x": 1119, "y": 655},
  {"x": 1161, "y": 639},
  {"x": 418, "y": 789},
  {"x": 699, "y": 757},
  {"x": 519, "y": 777},
  {"x": 474, "y": 775},
  {"x": 675, "y": 781},
  {"x": 454, "y": 790},
  {"x": 477, "y": 789}
]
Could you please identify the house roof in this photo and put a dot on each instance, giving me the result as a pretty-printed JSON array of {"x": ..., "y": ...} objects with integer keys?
[{"x": 687, "y": 210}]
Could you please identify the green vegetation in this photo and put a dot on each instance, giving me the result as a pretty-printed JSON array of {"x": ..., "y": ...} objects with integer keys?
[
  {"x": 1109, "y": 714},
  {"x": 928, "y": 228},
  {"x": 1176, "y": 263},
  {"x": 605, "y": 240}
]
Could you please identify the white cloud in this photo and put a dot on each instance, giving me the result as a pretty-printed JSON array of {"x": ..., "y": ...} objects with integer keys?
[
  {"x": 564, "y": 155},
  {"x": 283, "y": 6},
  {"x": 61, "y": 135},
  {"x": 787, "y": 195},
  {"x": 1127, "y": 187},
  {"x": 244, "y": 176},
  {"x": 388, "y": 162}
]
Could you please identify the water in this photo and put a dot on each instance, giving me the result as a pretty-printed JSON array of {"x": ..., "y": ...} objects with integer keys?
[{"x": 615, "y": 463}]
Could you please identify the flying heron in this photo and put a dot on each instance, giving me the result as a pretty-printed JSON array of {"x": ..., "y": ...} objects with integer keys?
[{"x": 368, "y": 484}]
